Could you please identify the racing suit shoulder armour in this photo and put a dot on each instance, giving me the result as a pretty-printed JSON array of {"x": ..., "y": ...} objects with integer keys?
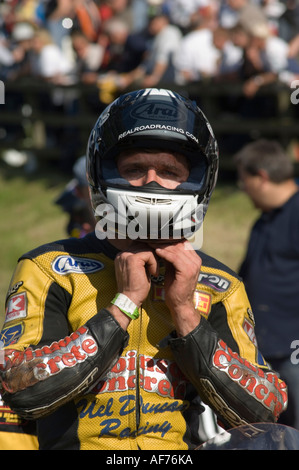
[
  {"x": 69, "y": 245},
  {"x": 213, "y": 263}
]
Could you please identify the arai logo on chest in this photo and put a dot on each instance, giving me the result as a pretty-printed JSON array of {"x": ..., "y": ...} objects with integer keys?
[{"x": 74, "y": 264}]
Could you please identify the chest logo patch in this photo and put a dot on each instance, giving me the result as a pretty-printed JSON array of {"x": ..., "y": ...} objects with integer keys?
[
  {"x": 218, "y": 283},
  {"x": 16, "y": 307},
  {"x": 249, "y": 330},
  {"x": 75, "y": 264},
  {"x": 11, "y": 334},
  {"x": 202, "y": 302}
]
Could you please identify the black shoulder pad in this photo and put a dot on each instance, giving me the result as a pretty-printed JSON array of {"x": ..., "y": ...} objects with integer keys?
[{"x": 210, "y": 262}]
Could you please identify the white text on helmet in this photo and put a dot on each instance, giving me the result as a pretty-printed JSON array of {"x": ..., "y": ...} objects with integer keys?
[{"x": 151, "y": 127}]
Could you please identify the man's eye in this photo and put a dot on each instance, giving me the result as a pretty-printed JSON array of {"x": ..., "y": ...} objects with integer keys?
[
  {"x": 169, "y": 173},
  {"x": 134, "y": 170},
  {"x": 130, "y": 172}
]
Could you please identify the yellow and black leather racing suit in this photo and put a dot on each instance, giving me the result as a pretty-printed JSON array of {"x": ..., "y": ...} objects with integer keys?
[
  {"x": 16, "y": 433},
  {"x": 92, "y": 385}
]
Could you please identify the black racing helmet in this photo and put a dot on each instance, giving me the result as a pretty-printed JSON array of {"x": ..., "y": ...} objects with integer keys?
[{"x": 157, "y": 119}]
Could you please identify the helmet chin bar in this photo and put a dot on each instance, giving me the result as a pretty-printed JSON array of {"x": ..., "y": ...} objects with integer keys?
[{"x": 138, "y": 215}]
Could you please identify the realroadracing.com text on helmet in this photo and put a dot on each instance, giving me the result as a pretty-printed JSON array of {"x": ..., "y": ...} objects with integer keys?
[{"x": 151, "y": 119}]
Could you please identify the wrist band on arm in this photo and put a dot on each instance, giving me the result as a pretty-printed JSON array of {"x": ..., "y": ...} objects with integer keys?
[{"x": 126, "y": 306}]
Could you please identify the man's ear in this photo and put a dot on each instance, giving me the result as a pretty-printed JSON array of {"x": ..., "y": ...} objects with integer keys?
[{"x": 263, "y": 174}]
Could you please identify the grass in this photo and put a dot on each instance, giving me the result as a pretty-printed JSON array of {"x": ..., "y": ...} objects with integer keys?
[
  {"x": 30, "y": 218},
  {"x": 227, "y": 225}
]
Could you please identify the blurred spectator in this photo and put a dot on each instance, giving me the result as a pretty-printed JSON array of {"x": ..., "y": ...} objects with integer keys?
[
  {"x": 126, "y": 50},
  {"x": 230, "y": 59},
  {"x": 7, "y": 58},
  {"x": 55, "y": 14},
  {"x": 75, "y": 201},
  {"x": 27, "y": 10},
  {"x": 15, "y": 63},
  {"x": 273, "y": 10},
  {"x": 251, "y": 12},
  {"x": 206, "y": 52},
  {"x": 120, "y": 9},
  {"x": 87, "y": 18},
  {"x": 20, "y": 46},
  {"x": 294, "y": 47},
  {"x": 240, "y": 37},
  {"x": 139, "y": 15},
  {"x": 48, "y": 61},
  {"x": 89, "y": 57},
  {"x": 63, "y": 15},
  {"x": 244, "y": 12},
  {"x": 123, "y": 54},
  {"x": 291, "y": 73},
  {"x": 181, "y": 11},
  {"x": 267, "y": 56},
  {"x": 270, "y": 269},
  {"x": 51, "y": 65},
  {"x": 196, "y": 56},
  {"x": 158, "y": 64},
  {"x": 289, "y": 21}
]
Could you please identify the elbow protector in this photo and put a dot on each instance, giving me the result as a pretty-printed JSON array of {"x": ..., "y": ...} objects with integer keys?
[
  {"x": 238, "y": 391},
  {"x": 35, "y": 382}
]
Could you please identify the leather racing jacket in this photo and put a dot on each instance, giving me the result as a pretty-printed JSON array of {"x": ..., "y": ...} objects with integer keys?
[
  {"x": 16, "y": 433},
  {"x": 92, "y": 385}
]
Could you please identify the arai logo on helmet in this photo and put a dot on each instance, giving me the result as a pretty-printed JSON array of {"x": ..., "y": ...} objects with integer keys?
[
  {"x": 75, "y": 264},
  {"x": 159, "y": 109},
  {"x": 154, "y": 111}
]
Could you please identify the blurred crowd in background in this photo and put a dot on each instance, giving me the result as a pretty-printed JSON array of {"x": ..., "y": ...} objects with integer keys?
[
  {"x": 117, "y": 45},
  {"x": 144, "y": 42}
]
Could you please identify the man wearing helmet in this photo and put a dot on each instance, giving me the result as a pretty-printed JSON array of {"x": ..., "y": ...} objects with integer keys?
[{"x": 120, "y": 336}]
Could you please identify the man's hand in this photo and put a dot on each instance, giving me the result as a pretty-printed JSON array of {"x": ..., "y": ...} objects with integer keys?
[
  {"x": 133, "y": 269},
  {"x": 182, "y": 270}
]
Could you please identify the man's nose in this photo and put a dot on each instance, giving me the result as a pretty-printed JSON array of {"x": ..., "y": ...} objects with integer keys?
[{"x": 150, "y": 176}]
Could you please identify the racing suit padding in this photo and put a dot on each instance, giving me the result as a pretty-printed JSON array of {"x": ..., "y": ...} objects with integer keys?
[
  {"x": 209, "y": 364},
  {"x": 147, "y": 398},
  {"x": 48, "y": 394}
]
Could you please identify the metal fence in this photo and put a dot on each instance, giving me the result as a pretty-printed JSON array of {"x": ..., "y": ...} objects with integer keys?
[{"x": 54, "y": 122}]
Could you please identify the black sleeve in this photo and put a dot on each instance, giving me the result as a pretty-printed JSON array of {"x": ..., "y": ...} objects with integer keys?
[
  {"x": 237, "y": 391},
  {"x": 37, "y": 381}
]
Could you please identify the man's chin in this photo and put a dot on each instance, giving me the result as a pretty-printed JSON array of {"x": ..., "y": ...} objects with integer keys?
[{"x": 169, "y": 241}]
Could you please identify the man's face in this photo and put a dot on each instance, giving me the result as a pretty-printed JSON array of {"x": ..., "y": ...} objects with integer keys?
[
  {"x": 253, "y": 186},
  {"x": 236, "y": 4},
  {"x": 140, "y": 167}
]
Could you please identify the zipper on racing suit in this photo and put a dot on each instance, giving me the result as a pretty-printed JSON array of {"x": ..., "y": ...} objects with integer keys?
[{"x": 137, "y": 406}]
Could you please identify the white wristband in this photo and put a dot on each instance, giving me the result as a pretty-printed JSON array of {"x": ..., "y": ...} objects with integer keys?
[{"x": 126, "y": 306}]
